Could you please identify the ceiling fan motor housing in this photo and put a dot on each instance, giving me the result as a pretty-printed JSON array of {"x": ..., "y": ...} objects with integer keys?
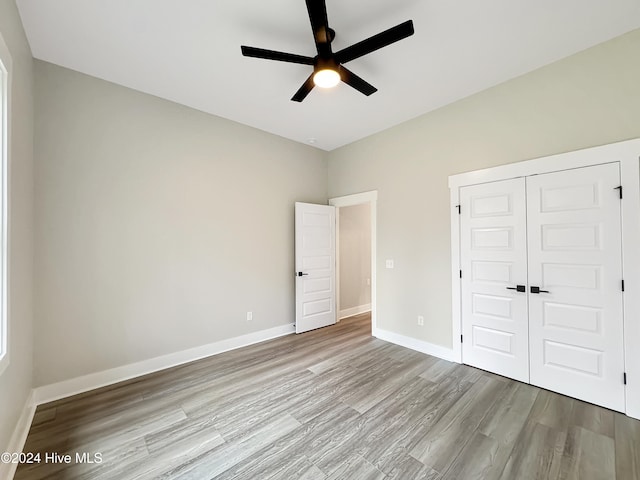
[{"x": 325, "y": 64}]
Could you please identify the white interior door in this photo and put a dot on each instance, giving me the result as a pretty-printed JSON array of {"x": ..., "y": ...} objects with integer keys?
[
  {"x": 575, "y": 259},
  {"x": 494, "y": 275},
  {"x": 315, "y": 244}
]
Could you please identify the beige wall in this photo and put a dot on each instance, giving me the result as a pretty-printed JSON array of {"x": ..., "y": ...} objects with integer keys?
[
  {"x": 158, "y": 226},
  {"x": 589, "y": 99},
  {"x": 16, "y": 381},
  {"x": 355, "y": 255}
]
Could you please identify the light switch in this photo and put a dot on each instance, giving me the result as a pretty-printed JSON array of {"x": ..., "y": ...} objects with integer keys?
[{"x": 389, "y": 263}]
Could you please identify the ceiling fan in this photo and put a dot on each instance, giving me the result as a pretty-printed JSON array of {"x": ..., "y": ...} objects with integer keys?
[{"x": 328, "y": 67}]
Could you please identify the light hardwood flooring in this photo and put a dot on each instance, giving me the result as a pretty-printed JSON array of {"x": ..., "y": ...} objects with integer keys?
[{"x": 334, "y": 403}]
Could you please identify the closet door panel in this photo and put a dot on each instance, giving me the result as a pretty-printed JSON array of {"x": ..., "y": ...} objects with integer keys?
[
  {"x": 493, "y": 258},
  {"x": 575, "y": 249}
]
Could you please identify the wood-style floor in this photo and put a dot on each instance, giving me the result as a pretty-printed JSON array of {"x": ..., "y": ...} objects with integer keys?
[{"x": 331, "y": 404}]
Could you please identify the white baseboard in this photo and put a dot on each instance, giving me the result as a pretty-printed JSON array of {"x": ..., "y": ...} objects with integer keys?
[
  {"x": 16, "y": 444},
  {"x": 349, "y": 312},
  {"x": 414, "y": 344},
  {"x": 73, "y": 386}
]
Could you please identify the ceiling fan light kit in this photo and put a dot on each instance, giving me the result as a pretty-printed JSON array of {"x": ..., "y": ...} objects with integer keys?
[
  {"x": 328, "y": 67},
  {"x": 326, "y": 78}
]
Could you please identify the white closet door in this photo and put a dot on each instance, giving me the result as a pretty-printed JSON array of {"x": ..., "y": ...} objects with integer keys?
[
  {"x": 493, "y": 257},
  {"x": 576, "y": 324}
]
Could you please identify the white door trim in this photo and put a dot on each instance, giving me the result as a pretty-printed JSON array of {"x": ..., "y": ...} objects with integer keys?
[
  {"x": 630, "y": 174},
  {"x": 357, "y": 199},
  {"x": 337, "y": 240},
  {"x": 627, "y": 153}
]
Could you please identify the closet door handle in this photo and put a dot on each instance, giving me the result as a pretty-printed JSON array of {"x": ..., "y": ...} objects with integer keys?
[
  {"x": 537, "y": 290},
  {"x": 519, "y": 288}
]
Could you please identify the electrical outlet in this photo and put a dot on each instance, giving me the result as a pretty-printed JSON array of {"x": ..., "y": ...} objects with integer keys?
[
  {"x": 249, "y": 316},
  {"x": 421, "y": 320},
  {"x": 389, "y": 263}
]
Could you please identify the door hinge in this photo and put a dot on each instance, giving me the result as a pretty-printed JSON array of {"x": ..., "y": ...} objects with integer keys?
[
  {"x": 460, "y": 273},
  {"x": 461, "y": 340},
  {"x": 459, "y": 209},
  {"x": 619, "y": 191},
  {"x": 624, "y": 378},
  {"x": 623, "y": 285}
]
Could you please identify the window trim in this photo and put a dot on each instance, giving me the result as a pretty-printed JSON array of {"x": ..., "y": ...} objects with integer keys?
[{"x": 6, "y": 67}]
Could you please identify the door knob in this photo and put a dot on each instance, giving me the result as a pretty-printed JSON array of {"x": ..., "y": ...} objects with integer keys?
[
  {"x": 300, "y": 274},
  {"x": 519, "y": 288},
  {"x": 537, "y": 290}
]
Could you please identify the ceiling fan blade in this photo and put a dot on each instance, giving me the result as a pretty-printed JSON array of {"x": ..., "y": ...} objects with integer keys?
[
  {"x": 273, "y": 55},
  {"x": 376, "y": 42},
  {"x": 320, "y": 25},
  {"x": 351, "y": 79},
  {"x": 304, "y": 90}
]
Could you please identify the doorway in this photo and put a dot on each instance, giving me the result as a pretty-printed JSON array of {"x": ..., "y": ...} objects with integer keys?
[
  {"x": 353, "y": 255},
  {"x": 356, "y": 254}
]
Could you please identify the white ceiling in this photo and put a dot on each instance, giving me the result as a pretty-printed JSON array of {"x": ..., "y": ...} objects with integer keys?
[{"x": 188, "y": 51}]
